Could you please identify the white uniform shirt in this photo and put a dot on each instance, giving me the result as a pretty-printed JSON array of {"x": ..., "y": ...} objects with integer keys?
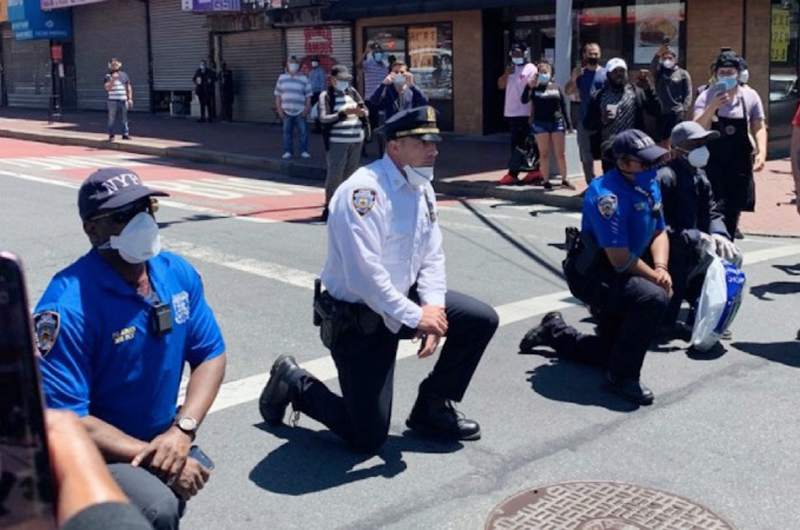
[{"x": 382, "y": 238}]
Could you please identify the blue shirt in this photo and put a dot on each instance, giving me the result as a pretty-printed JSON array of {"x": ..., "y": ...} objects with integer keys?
[
  {"x": 105, "y": 359},
  {"x": 619, "y": 213},
  {"x": 589, "y": 83}
]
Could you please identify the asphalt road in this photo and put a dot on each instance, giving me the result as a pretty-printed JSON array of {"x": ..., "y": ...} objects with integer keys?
[{"x": 723, "y": 431}]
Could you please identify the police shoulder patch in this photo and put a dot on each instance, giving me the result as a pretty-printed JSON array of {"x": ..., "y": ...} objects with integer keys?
[
  {"x": 607, "y": 204},
  {"x": 364, "y": 200},
  {"x": 46, "y": 325}
]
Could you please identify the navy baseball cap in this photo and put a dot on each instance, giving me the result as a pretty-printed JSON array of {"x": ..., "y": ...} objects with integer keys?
[
  {"x": 111, "y": 188},
  {"x": 634, "y": 142},
  {"x": 419, "y": 122}
]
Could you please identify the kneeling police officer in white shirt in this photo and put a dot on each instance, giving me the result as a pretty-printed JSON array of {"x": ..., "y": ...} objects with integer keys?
[{"x": 385, "y": 281}]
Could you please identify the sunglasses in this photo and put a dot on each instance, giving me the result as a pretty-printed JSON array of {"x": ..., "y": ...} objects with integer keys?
[{"x": 125, "y": 214}]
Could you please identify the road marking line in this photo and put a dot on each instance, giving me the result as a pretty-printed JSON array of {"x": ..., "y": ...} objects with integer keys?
[{"x": 249, "y": 388}]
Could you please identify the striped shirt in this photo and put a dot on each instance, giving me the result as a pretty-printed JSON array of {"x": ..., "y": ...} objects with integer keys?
[
  {"x": 119, "y": 89},
  {"x": 374, "y": 74},
  {"x": 293, "y": 90},
  {"x": 343, "y": 131}
]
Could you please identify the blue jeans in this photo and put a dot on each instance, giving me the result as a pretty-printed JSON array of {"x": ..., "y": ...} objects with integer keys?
[
  {"x": 115, "y": 106},
  {"x": 289, "y": 123}
]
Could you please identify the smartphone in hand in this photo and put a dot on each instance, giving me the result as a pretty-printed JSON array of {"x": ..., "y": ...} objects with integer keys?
[
  {"x": 201, "y": 457},
  {"x": 27, "y": 489}
]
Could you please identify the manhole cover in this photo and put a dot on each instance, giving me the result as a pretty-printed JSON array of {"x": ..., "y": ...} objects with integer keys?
[{"x": 602, "y": 506}]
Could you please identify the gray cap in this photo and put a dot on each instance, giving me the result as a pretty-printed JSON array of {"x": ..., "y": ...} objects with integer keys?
[
  {"x": 690, "y": 130},
  {"x": 341, "y": 72}
]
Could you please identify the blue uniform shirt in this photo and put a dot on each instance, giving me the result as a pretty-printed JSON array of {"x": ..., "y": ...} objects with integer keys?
[
  {"x": 101, "y": 356},
  {"x": 619, "y": 213}
]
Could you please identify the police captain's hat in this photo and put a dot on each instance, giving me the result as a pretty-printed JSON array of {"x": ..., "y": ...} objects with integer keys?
[
  {"x": 686, "y": 131},
  {"x": 419, "y": 122},
  {"x": 634, "y": 142},
  {"x": 111, "y": 188}
]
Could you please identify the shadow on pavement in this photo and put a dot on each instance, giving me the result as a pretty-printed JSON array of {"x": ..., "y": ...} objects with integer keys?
[
  {"x": 791, "y": 270},
  {"x": 576, "y": 383},
  {"x": 762, "y": 291},
  {"x": 787, "y": 353},
  {"x": 311, "y": 461}
]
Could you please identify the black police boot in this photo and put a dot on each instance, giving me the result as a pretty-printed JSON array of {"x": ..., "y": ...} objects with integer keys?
[
  {"x": 438, "y": 418},
  {"x": 275, "y": 396},
  {"x": 541, "y": 334},
  {"x": 630, "y": 389}
]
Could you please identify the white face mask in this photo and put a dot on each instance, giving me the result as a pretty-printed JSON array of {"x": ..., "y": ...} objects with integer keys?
[
  {"x": 418, "y": 176},
  {"x": 139, "y": 241},
  {"x": 293, "y": 67},
  {"x": 399, "y": 79},
  {"x": 314, "y": 64},
  {"x": 669, "y": 64},
  {"x": 342, "y": 85},
  {"x": 744, "y": 76},
  {"x": 699, "y": 157}
]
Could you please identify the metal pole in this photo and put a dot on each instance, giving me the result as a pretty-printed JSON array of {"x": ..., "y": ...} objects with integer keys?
[{"x": 563, "y": 40}]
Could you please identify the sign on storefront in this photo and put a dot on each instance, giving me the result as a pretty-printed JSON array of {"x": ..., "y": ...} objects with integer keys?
[
  {"x": 211, "y": 5},
  {"x": 781, "y": 34},
  {"x": 48, "y": 5},
  {"x": 29, "y": 22}
]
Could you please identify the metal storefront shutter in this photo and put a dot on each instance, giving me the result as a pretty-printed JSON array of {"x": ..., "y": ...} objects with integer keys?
[
  {"x": 333, "y": 44},
  {"x": 28, "y": 76},
  {"x": 115, "y": 28},
  {"x": 256, "y": 59},
  {"x": 180, "y": 42}
]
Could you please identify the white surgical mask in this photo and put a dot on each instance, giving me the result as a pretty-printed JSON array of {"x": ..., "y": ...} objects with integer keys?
[
  {"x": 699, "y": 157},
  {"x": 342, "y": 85},
  {"x": 744, "y": 76},
  {"x": 399, "y": 79},
  {"x": 544, "y": 79},
  {"x": 293, "y": 67},
  {"x": 517, "y": 60},
  {"x": 202, "y": 67},
  {"x": 314, "y": 64},
  {"x": 669, "y": 64},
  {"x": 418, "y": 176},
  {"x": 139, "y": 241}
]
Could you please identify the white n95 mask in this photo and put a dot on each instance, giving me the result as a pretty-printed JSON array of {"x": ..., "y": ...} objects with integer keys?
[
  {"x": 139, "y": 241},
  {"x": 699, "y": 157},
  {"x": 418, "y": 176}
]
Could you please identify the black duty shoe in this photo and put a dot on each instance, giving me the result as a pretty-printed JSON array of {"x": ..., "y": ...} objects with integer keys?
[
  {"x": 539, "y": 335},
  {"x": 324, "y": 216},
  {"x": 126, "y": 136},
  {"x": 275, "y": 396},
  {"x": 630, "y": 390},
  {"x": 438, "y": 418},
  {"x": 738, "y": 234}
]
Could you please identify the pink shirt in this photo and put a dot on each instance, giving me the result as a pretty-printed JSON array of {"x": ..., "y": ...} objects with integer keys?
[{"x": 514, "y": 89}]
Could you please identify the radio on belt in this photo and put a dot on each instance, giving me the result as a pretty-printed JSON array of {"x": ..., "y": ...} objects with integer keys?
[{"x": 162, "y": 319}]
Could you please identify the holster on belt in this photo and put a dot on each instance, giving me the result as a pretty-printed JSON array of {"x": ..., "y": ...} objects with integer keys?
[
  {"x": 586, "y": 265},
  {"x": 337, "y": 318}
]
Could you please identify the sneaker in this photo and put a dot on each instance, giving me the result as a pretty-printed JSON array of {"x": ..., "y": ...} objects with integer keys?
[
  {"x": 110, "y": 137},
  {"x": 126, "y": 136},
  {"x": 508, "y": 180},
  {"x": 439, "y": 418},
  {"x": 539, "y": 335},
  {"x": 548, "y": 185},
  {"x": 287, "y": 155},
  {"x": 567, "y": 184},
  {"x": 532, "y": 177},
  {"x": 275, "y": 396},
  {"x": 305, "y": 154}
]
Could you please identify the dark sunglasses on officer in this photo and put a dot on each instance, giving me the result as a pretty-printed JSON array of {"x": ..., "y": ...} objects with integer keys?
[{"x": 122, "y": 216}]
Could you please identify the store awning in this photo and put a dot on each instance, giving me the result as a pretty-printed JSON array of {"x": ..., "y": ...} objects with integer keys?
[{"x": 355, "y": 9}]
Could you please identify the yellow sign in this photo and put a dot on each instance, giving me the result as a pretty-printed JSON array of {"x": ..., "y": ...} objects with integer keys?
[
  {"x": 3, "y": 11},
  {"x": 781, "y": 33}
]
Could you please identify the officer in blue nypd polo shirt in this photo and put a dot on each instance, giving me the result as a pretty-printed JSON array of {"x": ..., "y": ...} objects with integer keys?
[
  {"x": 115, "y": 329},
  {"x": 627, "y": 283}
]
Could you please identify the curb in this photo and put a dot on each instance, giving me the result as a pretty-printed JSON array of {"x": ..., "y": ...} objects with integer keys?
[{"x": 524, "y": 196}]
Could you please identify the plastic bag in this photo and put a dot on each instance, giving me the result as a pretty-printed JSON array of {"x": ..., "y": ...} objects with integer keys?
[
  {"x": 313, "y": 114},
  {"x": 719, "y": 302}
]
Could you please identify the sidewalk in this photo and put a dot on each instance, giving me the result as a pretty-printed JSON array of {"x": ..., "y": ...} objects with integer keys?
[{"x": 468, "y": 166}]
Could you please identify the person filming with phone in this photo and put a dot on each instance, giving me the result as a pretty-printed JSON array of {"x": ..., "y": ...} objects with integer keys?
[
  {"x": 114, "y": 330},
  {"x": 737, "y": 113}
]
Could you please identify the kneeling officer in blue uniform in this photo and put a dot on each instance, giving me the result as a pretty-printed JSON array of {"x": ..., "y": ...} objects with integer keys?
[
  {"x": 618, "y": 265},
  {"x": 114, "y": 330},
  {"x": 385, "y": 281}
]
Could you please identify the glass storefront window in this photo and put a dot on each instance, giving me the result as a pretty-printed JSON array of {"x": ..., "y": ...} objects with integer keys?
[
  {"x": 391, "y": 38},
  {"x": 655, "y": 22},
  {"x": 430, "y": 50},
  {"x": 784, "y": 62},
  {"x": 602, "y": 25}
]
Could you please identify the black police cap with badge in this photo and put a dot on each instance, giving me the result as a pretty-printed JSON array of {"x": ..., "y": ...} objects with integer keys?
[{"x": 419, "y": 122}]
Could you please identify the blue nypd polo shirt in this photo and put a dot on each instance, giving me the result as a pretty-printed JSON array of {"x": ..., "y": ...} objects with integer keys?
[
  {"x": 623, "y": 214},
  {"x": 100, "y": 355}
]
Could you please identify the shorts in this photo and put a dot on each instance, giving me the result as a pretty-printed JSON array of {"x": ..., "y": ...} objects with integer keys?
[
  {"x": 540, "y": 127},
  {"x": 664, "y": 125}
]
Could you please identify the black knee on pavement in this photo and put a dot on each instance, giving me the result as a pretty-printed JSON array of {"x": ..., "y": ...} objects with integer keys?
[
  {"x": 367, "y": 443},
  {"x": 164, "y": 514}
]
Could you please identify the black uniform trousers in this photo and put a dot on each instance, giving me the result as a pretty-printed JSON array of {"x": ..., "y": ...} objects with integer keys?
[
  {"x": 365, "y": 364},
  {"x": 629, "y": 310},
  {"x": 685, "y": 267},
  {"x": 207, "y": 105}
]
